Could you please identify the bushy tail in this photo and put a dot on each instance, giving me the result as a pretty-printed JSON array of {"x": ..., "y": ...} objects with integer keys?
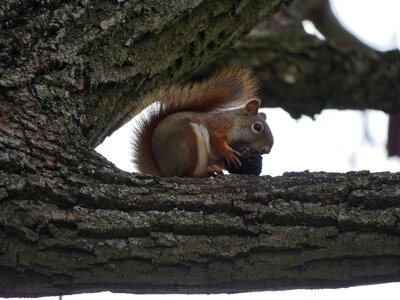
[{"x": 228, "y": 88}]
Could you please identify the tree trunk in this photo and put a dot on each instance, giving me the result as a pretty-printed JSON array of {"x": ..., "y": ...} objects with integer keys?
[{"x": 71, "y": 222}]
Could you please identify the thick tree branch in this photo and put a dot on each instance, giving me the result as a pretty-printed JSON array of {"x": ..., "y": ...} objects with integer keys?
[
  {"x": 305, "y": 75},
  {"x": 95, "y": 60},
  {"x": 70, "y": 222},
  {"x": 98, "y": 229}
]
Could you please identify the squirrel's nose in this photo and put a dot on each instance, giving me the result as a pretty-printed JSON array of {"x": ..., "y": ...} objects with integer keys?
[{"x": 266, "y": 149}]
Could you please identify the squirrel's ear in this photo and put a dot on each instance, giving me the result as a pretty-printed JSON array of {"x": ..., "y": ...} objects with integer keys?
[
  {"x": 264, "y": 116},
  {"x": 252, "y": 106}
]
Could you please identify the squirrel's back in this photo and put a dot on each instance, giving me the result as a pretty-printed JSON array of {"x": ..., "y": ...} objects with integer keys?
[{"x": 226, "y": 89}]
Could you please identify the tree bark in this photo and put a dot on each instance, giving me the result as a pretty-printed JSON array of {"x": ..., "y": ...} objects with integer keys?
[
  {"x": 304, "y": 75},
  {"x": 101, "y": 230},
  {"x": 309, "y": 76},
  {"x": 88, "y": 63},
  {"x": 71, "y": 222}
]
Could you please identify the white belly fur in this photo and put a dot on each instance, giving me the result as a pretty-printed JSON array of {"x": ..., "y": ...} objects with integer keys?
[{"x": 203, "y": 143}]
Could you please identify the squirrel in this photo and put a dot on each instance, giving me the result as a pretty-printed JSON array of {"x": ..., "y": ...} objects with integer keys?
[{"x": 189, "y": 129}]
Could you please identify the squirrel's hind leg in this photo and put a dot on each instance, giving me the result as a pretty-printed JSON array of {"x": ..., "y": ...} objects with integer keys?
[{"x": 179, "y": 152}]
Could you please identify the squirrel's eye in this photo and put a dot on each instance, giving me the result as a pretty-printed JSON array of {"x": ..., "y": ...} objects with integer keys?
[{"x": 257, "y": 127}]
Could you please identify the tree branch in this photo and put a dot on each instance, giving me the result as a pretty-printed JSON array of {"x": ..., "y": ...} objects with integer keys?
[
  {"x": 304, "y": 75},
  {"x": 98, "y": 229},
  {"x": 96, "y": 62}
]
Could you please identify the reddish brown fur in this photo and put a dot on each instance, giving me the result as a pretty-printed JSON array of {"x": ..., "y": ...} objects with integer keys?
[{"x": 228, "y": 88}]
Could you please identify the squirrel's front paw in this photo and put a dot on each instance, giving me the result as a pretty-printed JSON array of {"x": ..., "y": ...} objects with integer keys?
[{"x": 232, "y": 159}]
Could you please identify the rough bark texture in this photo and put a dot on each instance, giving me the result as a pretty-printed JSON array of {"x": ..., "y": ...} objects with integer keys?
[
  {"x": 71, "y": 222},
  {"x": 304, "y": 75},
  {"x": 93, "y": 232},
  {"x": 93, "y": 60},
  {"x": 314, "y": 76}
]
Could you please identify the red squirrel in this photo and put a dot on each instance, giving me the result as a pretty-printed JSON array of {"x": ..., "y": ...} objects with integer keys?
[{"x": 190, "y": 130}]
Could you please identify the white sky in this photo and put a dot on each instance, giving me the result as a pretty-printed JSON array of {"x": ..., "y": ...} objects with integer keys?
[
  {"x": 335, "y": 141},
  {"x": 378, "y": 23},
  {"x": 388, "y": 291}
]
